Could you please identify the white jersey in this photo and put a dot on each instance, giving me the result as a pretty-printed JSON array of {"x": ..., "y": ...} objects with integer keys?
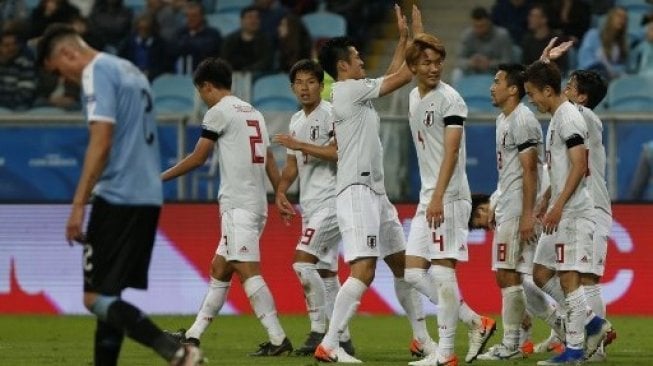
[
  {"x": 565, "y": 124},
  {"x": 597, "y": 161},
  {"x": 242, "y": 141},
  {"x": 360, "y": 154},
  {"x": 427, "y": 125},
  {"x": 317, "y": 177},
  {"x": 517, "y": 132}
]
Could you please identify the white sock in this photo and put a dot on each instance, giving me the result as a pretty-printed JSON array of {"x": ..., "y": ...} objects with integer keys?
[
  {"x": 262, "y": 302},
  {"x": 314, "y": 294},
  {"x": 538, "y": 305},
  {"x": 512, "y": 312},
  {"x": 423, "y": 281},
  {"x": 211, "y": 305},
  {"x": 449, "y": 302},
  {"x": 344, "y": 308},
  {"x": 553, "y": 288},
  {"x": 410, "y": 300},
  {"x": 332, "y": 285},
  {"x": 575, "y": 306},
  {"x": 594, "y": 299},
  {"x": 468, "y": 316}
]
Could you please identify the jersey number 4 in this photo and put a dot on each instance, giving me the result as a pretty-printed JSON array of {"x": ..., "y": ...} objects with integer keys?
[{"x": 254, "y": 139}]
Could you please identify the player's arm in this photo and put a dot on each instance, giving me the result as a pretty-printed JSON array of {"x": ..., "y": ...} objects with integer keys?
[
  {"x": 95, "y": 159},
  {"x": 551, "y": 53},
  {"x": 288, "y": 176},
  {"x": 398, "y": 73},
  {"x": 528, "y": 160},
  {"x": 197, "y": 158},
  {"x": 272, "y": 170},
  {"x": 327, "y": 152},
  {"x": 452, "y": 139}
]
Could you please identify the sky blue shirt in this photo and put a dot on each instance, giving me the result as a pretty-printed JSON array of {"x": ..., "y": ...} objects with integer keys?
[{"x": 115, "y": 91}]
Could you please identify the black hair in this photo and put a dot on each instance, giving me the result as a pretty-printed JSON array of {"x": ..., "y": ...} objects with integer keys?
[
  {"x": 334, "y": 50},
  {"x": 478, "y": 199},
  {"x": 590, "y": 83},
  {"x": 247, "y": 9},
  {"x": 479, "y": 13},
  {"x": 53, "y": 34},
  {"x": 215, "y": 71},
  {"x": 514, "y": 76},
  {"x": 543, "y": 74},
  {"x": 308, "y": 66}
]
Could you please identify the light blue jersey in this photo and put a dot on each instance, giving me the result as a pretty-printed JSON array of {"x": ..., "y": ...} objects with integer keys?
[{"x": 115, "y": 91}]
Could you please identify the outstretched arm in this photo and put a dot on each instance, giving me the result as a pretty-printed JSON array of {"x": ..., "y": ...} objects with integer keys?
[
  {"x": 551, "y": 53},
  {"x": 203, "y": 149}
]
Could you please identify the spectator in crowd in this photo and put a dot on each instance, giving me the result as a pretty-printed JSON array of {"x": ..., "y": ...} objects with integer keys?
[
  {"x": 513, "y": 16},
  {"x": 169, "y": 17},
  {"x": 538, "y": 37},
  {"x": 572, "y": 17},
  {"x": 359, "y": 15},
  {"x": 112, "y": 21},
  {"x": 51, "y": 11},
  {"x": 17, "y": 73},
  {"x": 54, "y": 91},
  {"x": 12, "y": 10},
  {"x": 247, "y": 49},
  {"x": 84, "y": 6},
  {"x": 294, "y": 42},
  {"x": 642, "y": 54},
  {"x": 88, "y": 33},
  {"x": 196, "y": 40},
  {"x": 145, "y": 49},
  {"x": 483, "y": 46},
  {"x": 300, "y": 7},
  {"x": 270, "y": 12},
  {"x": 605, "y": 49}
]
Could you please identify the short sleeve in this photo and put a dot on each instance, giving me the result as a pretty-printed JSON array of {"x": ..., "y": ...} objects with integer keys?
[
  {"x": 99, "y": 94},
  {"x": 214, "y": 121},
  {"x": 363, "y": 89},
  {"x": 455, "y": 107},
  {"x": 573, "y": 127},
  {"x": 527, "y": 132}
]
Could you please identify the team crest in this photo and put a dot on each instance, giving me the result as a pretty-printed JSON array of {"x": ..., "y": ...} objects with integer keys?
[
  {"x": 315, "y": 133},
  {"x": 429, "y": 118},
  {"x": 371, "y": 241}
]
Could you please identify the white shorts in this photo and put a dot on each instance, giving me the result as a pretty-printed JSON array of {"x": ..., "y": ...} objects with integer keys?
[
  {"x": 509, "y": 251},
  {"x": 567, "y": 249},
  {"x": 320, "y": 238},
  {"x": 368, "y": 223},
  {"x": 449, "y": 241},
  {"x": 599, "y": 246},
  {"x": 241, "y": 231}
]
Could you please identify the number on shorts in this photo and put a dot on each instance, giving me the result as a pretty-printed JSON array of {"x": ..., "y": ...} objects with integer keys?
[
  {"x": 88, "y": 253},
  {"x": 255, "y": 139},
  {"x": 560, "y": 253},
  {"x": 501, "y": 252},
  {"x": 308, "y": 235},
  {"x": 438, "y": 240}
]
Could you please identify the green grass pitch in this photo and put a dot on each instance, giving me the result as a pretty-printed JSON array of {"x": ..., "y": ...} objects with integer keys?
[{"x": 379, "y": 340}]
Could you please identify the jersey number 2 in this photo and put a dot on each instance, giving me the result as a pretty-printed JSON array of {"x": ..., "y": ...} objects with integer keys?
[{"x": 254, "y": 139}]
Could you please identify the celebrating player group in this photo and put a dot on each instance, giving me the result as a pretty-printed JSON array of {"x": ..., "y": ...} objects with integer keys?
[{"x": 550, "y": 213}]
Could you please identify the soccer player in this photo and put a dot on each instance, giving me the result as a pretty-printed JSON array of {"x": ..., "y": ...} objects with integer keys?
[
  {"x": 519, "y": 152},
  {"x": 120, "y": 171},
  {"x": 438, "y": 232},
  {"x": 239, "y": 133},
  {"x": 312, "y": 156},
  {"x": 563, "y": 250},
  {"x": 367, "y": 220}
]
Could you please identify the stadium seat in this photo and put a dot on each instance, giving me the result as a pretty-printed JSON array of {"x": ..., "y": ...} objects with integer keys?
[
  {"x": 232, "y": 6},
  {"x": 634, "y": 5},
  {"x": 273, "y": 93},
  {"x": 137, "y": 6},
  {"x": 31, "y": 4},
  {"x": 324, "y": 24},
  {"x": 475, "y": 90},
  {"x": 226, "y": 23},
  {"x": 4, "y": 110},
  {"x": 174, "y": 94},
  {"x": 631, "y": 93}
]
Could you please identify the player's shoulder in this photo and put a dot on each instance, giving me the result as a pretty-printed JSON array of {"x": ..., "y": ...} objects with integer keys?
[
  {"x": 448, "y": 93},
  {"x": 525, "y": 116}
]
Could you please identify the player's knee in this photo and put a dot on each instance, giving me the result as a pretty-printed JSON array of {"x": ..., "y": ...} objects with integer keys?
[
  {"x": 414, "y": 275},
  {"x": 99, "y": 304},
  {"x": 303, "y": 269},
  {"x": 541, "y": 275}
]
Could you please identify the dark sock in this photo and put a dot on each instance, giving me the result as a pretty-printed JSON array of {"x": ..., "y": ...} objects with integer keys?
[
  {"x": 141, "y": 329},
  {"x": 108, "y": 341}
]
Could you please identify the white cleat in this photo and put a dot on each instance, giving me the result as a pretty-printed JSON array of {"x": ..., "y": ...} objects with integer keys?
[
  {"x": 598, "y": 357},
  {"x": 344, "y": 357},
  {"x": 595, "y": 332},
  {"x": 430, "y": 360},
  {"x": 500, "y": 352},
  {"x": 478, "y": 337}
]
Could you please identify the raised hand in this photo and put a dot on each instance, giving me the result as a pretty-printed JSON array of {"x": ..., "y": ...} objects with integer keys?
[
  {"x": 402, "y": 22},
  {"x": 417, "y": 26},
  {"x": 551, "y": 53}
]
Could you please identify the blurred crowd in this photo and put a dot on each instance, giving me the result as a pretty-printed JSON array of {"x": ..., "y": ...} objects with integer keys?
[{"x": 165, "y": 36}]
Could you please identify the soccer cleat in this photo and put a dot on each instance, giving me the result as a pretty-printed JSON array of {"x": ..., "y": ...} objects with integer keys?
[
  {"x": 268, "y": 349},
  {"x": 569, "y": 357},
  {"x": 595, "y": 332},
  {"x": 180, "y": 336},
  {"x": 309, "y": 346},
  {"x": 434, "y": 360},
  {"x": 500, "y": 352},
  {"x": 191, "y": 356},
  {"x": 348, "y": 346},
  {"x": 322, "y": 354},
  {"x": 598, "y": 356},
  {"x": 551, "y": 344},
  {"x": 610, "y": 337},
  {"x": 419, "y": 349},
  {"x": 478, "y": 338},
  {"x": 527, "y": 348}
]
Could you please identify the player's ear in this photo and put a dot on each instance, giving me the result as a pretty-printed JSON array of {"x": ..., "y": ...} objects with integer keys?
[{"x": 342, "y": 65}]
